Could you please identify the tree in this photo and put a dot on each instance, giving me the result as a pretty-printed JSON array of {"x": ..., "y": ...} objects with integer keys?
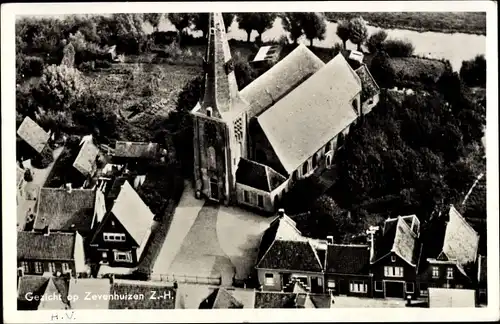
[
  {"x": 59, "y": 87},
  {"x": 343, "y": 31},
  {"x": 154, "y": 19},
  {"x": 398, "y": 48},
  {"x": 42, "y": 160},
  {"x": 314, "y": 26},
  {"x": 376, "y": 40},
  {"x": 358, "y": 32},
  {"x": 473, "y": 72},
  {"x": 382, "y": 70},
  {"x": 291, "y": 22},
  {"x": 181, "y": 21},
  {"x": 228, "y": 20},
  {"x": 200, "y": 21},
  {"x": 69, "y": 56},
  {"x": 247, "y": 22},
  {"x": 264, "y": 21}
]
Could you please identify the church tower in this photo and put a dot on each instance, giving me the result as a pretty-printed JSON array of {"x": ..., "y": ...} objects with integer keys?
[{"x": 219, "y": 121}]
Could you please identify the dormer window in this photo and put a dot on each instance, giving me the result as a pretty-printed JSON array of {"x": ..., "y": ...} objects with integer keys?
[
  {"x": 393, "y": 258},
  {"x": 209, "y": 111}
]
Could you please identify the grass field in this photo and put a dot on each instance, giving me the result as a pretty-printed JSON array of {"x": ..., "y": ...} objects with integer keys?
[{"x": 445, "y": 22}]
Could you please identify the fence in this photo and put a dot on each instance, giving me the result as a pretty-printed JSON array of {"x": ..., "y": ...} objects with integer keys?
[{"x": 187, "y": 279}]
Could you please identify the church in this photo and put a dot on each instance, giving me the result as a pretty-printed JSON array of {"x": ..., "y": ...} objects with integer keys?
[{"x": 251, "y": 146}]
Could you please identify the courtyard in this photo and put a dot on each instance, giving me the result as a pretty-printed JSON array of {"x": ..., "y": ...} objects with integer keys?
[{"x": 210, "y": 241}]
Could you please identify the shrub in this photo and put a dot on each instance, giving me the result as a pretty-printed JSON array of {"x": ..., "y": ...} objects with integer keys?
[
  {"x": 398, "y": 48},
  {"x": 473, "y": 72},
  {"x": 28, "y": 176},
  {"x": 42, "y": 160},
  {"x": 376, "y": 40},
  {"x": 102, "y": 64},
  {"x": 29, "y": 66},
  {"x": 87, "y": 66}
]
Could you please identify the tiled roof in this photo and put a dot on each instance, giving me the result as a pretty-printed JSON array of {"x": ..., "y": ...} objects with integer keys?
[
  {"x": 258, "y": 176},
  {"x": 348, "y": 259},
  {"x": 136, "y": 149},
  {"x": 398, "y": 238},
  {"x": 60, "y": 209},
  {"x": 98, "y": 287},
  {"x": 460, "y": 240},
  {"x": 316, "y": 111},
  {"x": 291, "y": 255},
  {"x": 279, "y": 80},
  {"x": 220, "y": 298},
  {"x": 55, "y": 287},
  {"x": 85, "y": 161},
  {"x": 37, "y": 246},
  {"x": 33, "y": 284},
  {"x": 33, "y": 134},
  {"x": 39, "y": 286},
  {"x": 132, "y": 213},
  {"x": 125, "y": 287},
  {"x": 368, "y": 84}
]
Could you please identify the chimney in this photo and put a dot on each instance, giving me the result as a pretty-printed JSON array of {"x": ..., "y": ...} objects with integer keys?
[
  {"x": 371, "y": 232},
  {"x": 329, "y": 240},
  {"x": 281, "y": 213},
  {"x": 69, "y": 187}
]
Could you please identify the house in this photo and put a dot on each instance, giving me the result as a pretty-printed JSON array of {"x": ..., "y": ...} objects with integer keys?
[
  {"x": 66, "y": 210},
  {"x": 100, "y": 288},
  {"x": 269, "y": 122},
  {"x": 370, "y": 93},
  {"x": 34, "y": 135},
  {"x": 220, "y": 298},
  {"x": 86, "y": 160},
  {"x": 39, "y": 253},
  {"x": 122, "y": 233},
  {"x": 395, "y": 258},
  {"x": 285, "y": 256},
  {"x": 266, "y": 56},
  {"x": 451, "y": 298},
  {"x": 347, "y": 270},
  {"x": 42, "y": 293},
  {"x": 294, "y": 297},
  {"x": 145, "y": 295},
  {"x": 455, "y": 266}
]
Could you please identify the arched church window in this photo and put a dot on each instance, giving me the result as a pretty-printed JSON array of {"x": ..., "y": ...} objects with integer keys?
[
  {"x": 314, "y": 161},
  {"x": 355, "y": 105},
  {"x": 305, "y": 168},
  {"x": 328, "y": 147},
  {"x": 340, "y": 139},
  {"x": 212, "y": 161}
]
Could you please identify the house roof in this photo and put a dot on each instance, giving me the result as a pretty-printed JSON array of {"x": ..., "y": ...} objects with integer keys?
[
  {"x": 368, "y": 84},
  {"x": 37, "y": 246},
  {"x": 220, "y": 298},
  {"x": 274, "y": 300},
  {"x": 98, "y": 287},
  {"x": 136, "y": 149},
  {"x": 60, "y": 209},
  {"x": 348, "y": 259},
  {"x": 125, "y": 287},
  {"x": 316, "y": 111},
  {"x": 132, "y": 212},
  {"x": 291, "y": 255},
  {"x": 461, "y": 241},
  {"x": 443, "y": 297},
  {"x": 33, "y": 134},
  {"x": 398, "y": 238},
  {"x": 55, "y": 287},
  {"x": 31, "y": 284},
  {"x": 280, "y": 79},
  {"x": 258, "y": 176},
  {"x": 85, "y": 161}
]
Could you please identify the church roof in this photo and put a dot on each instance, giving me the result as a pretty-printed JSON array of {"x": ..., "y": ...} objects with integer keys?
[
  {"x": 258, "y": 176},
  {"x": 33, "y": 134},
  {"x": 316, "y": 111},
  {"x": 279, "y": 80}
]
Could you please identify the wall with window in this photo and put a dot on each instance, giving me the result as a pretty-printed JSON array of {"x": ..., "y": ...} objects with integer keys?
[
  {"x": 351, "y": 285},
  {"x": 393, "y": 268},
  {"x": 254, "y": 198},
  {"x": 39, "y": 267},
  {"x": 274, "y": 280},
  {"x": 445, "y": 275},
  {"x": 369, "y": 104}
]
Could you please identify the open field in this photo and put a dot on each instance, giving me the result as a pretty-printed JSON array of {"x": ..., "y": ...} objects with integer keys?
[{"x": 444, "y": 22}]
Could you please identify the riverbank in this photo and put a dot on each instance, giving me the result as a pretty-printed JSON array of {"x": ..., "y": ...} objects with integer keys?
[{"x": 443, "y": 22}]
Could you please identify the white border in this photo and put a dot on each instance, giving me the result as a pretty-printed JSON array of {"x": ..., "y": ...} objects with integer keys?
[{"x": 259, "y": 315}]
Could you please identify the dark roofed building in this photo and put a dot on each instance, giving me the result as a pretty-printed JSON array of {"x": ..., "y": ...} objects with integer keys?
[
  {"x": 38, "y": 253},
  {"x": 30, "y": 286},
  {"x": 164, "y": 295},
  {"x": 256, "y": 184},
  {"x": 291, "y": 255},
  {"x": 370, "y": 93},
  {"x": 136, "y": 150},
  {"x": 33, "y": 134},
  {"x": 348, "y": 270},
  {"x": 220, "y": 298},
  {"x": 64, "y": 209},
  {"x": 291, "y": 300}
]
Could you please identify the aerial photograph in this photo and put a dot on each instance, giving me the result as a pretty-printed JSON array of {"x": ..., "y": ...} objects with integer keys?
[{"x": 215, "y": 160}]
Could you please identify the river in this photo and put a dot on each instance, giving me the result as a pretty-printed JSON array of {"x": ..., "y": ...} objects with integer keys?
[{"x": 455, "y": 47}]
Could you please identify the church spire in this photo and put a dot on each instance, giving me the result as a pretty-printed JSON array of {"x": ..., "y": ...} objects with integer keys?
[{"x": 221, "y": 90}]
